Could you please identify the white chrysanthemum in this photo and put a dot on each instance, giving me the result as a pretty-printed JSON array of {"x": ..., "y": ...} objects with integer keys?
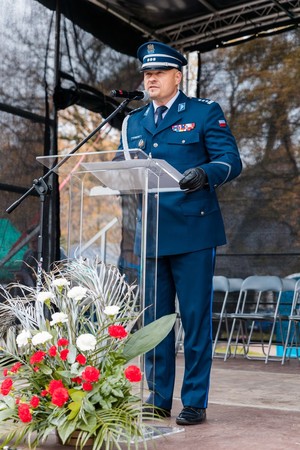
[
  {"x": 61, "y": 282},
  {"x": 58, "y": 317},
  {"x": 86, "y": 342},
  {"x": 23, "y": 338},
  {"x": 41, "y": 338},
  {"x": 111, "y": 310},
  {"x": 77, "y": 292},
  {"x": 44, "y": 296}
]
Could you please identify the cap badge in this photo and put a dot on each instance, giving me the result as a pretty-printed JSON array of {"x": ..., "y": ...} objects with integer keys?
[{"x": 150, "y": 48}]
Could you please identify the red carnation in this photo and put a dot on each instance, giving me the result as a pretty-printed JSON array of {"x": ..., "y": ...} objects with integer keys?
[
  {"x": 64, "y": 354},
  {"x": 91, "y": 374},
  {"x": 15, "y": 368},
  {"x": 6, "y": 386},
  {"x": 53, "y": 385},
  {"x": 37, "y": 357},
  {"x": 52, "y": 351},
  {"x": 87, "y": 386},
  {"x": 24, "y": 412},
  {"x": 60, "y": 397},
  {"x": 81, "y": 359},
  {"x": 117, "y": 331},
  {"x": 44, "y": 393},
  {"x": 77, "y": 380},
  {"x": 133, "y": 374},
  {"x": 62, "y": 342},
  {"x": 34, "y": 402}
]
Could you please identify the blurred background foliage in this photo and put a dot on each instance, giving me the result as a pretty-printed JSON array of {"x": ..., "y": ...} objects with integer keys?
[{"x": 257, "y": 84}]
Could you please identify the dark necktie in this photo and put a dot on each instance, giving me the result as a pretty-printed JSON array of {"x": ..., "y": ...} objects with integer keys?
[{"x": 160, "y": 110}]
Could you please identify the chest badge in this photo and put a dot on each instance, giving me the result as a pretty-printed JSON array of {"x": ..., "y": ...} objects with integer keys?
[{"x": 141, "y": 143}]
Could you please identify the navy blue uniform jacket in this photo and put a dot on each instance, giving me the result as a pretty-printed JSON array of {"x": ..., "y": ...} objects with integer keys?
[{"x": 194, "y": 133}]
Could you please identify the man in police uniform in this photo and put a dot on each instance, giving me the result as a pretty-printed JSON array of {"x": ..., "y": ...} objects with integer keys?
[{"x": 193, "y": 136}]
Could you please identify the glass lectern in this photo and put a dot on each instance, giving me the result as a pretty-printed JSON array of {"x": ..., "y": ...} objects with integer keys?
[{"x": 112, "y": 211}]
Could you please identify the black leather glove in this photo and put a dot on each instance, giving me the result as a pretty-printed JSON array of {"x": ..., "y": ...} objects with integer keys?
[{"x": 193, "y": 180}]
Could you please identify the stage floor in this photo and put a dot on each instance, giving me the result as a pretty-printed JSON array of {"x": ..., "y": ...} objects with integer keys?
[{"x": 253, "y": 406}]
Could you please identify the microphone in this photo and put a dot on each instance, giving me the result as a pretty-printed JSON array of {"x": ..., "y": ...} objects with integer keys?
[{"x": 134, "y": 95}]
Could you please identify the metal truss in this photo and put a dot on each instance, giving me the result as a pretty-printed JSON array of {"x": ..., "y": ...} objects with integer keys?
[
  {"x": 214, "y": 27},
  {"x": 220, "y": 28}
]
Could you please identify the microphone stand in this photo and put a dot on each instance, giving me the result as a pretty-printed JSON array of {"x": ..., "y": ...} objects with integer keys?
[{"x": 42, "y": 188}]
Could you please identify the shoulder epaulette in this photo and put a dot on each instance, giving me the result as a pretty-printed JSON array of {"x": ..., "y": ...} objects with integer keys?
[
  {"x": 138, "y": 109},
  {"x": 208, "y": 101}
]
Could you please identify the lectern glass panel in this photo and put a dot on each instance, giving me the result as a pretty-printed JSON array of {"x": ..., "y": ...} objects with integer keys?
[{"x": 112, "y": 211}]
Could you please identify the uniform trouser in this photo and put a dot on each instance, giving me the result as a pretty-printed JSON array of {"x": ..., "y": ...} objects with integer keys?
[{"x": 189, "y": 276}]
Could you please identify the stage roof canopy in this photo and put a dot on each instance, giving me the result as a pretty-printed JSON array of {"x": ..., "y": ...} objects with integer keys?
[{"x": 189, "y": 25}]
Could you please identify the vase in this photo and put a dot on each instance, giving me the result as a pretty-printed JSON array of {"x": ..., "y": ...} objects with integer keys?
[{"x": 72, "y": 441}]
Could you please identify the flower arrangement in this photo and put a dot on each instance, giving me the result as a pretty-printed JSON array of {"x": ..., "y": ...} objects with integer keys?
[{"x": 68, "y": 354}]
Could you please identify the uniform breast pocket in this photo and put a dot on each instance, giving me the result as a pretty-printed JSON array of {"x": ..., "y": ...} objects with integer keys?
[
  {"x": 185, "y": 149},
  {"x": 184, "y": 138},
  {"x": 202, "y": 208}
]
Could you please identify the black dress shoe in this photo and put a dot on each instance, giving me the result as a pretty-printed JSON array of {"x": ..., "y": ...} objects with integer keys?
[
  {"x": 191, "y": 416},
  {"x": 150, "y": 411}
]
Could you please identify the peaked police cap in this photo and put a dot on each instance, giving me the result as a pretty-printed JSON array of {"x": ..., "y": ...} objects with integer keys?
[{"x": 158, "y": 56}]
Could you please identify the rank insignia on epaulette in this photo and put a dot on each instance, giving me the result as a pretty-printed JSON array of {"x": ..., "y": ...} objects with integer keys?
[
  {"x": 206, "y": 100},
  {"x": 183, "y": 127}
]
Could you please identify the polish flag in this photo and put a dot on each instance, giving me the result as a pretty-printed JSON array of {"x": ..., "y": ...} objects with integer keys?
[{"x": 222, "y": 123}]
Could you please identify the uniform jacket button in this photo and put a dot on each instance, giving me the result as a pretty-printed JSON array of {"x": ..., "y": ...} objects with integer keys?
[{"x": 155, "y": 144}]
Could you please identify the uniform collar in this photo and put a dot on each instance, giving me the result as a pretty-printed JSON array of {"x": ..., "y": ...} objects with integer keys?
[
  {"x": 169, "y": 104},
  {"x": 179, "y": 103}
]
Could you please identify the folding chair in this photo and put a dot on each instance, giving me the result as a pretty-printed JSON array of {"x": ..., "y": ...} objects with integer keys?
[
  {"x": 222, "y": 287},
  {"x": 284, "y": 311},
  {"x": 257, "y": 307},
  {"x": 292, "y": 335},
  {"x": 221, "y": 292}
]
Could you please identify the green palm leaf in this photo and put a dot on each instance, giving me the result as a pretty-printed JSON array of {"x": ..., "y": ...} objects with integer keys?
[{"x": 148, "y": 337}]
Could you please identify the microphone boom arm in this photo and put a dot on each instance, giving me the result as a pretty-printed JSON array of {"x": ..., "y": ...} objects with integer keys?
[{"x": 41, "y": 181}]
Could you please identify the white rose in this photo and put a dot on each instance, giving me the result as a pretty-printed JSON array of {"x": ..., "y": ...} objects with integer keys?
[
  {"x": 41, "y": 338},
  {"x": 23, "y": 337},
  {"x": 86, "y": 342},
  {"x": 77, "y": 292},
  {"x": 58, "y": 317},
  {"x": 111, "y": 310},
  {"x": 61, "y": 282},
  {"x": 44, "y": 296}
]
